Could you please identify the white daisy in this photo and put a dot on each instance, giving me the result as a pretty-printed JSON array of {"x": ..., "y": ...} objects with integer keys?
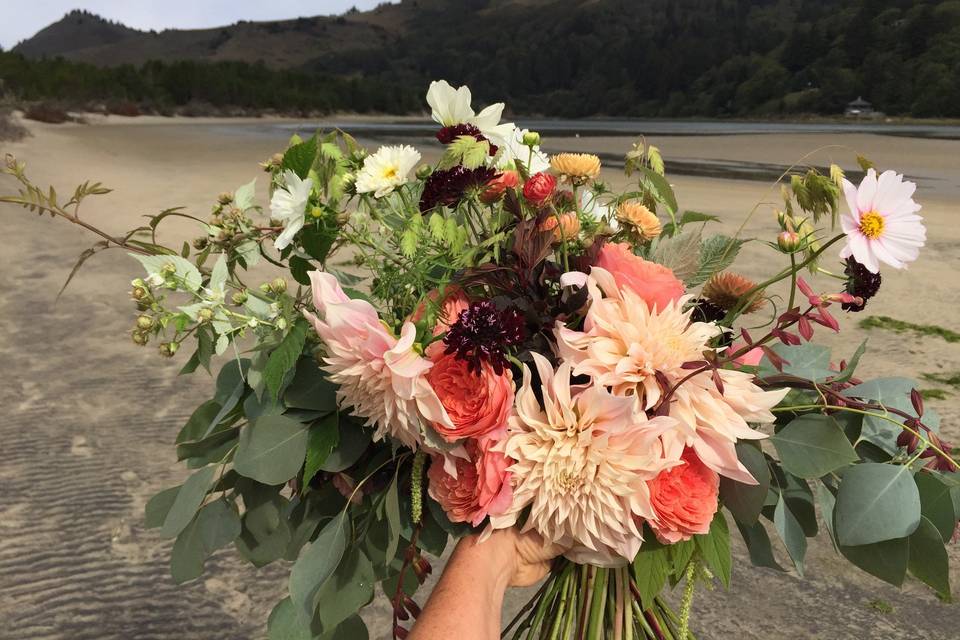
[
  {"x": 882, "y": 224},
  {"x": 386, "y": 169},
  {"x": 288, "y": 205}
]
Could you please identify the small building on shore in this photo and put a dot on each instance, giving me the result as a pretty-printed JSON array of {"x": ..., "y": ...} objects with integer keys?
[{"x": 860, "y": 108}]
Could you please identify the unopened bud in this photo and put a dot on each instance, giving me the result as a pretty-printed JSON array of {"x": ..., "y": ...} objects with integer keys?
[
  {"x": 424, "y": 171},
  {"x": 531, "y": 138},
  {"x": 276, "y": 159},
  {"x": 281, "y": 323},
  {"x": 205, "y": 315},
  {"x": 265, "y": 287},
  {"x": 279, "y": 285},
  {"x": 139, "y": 293},
  {"x": 144, "y": 322},
  {"x": 138, "y": 282},
  {"x": 225, "y": 198},
  {"x": 316, "y": 212},
  {"x": 168, "y": 269},
  {"x": 239, "y": 298},
  {"x": 168, "y": 349},
  {"x": 788, "y": 241},
  {"x": 200, "y": 243},
  {"x": 139, "y": 338}
]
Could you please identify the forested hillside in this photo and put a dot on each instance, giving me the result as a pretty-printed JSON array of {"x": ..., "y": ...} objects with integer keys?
[{"x": 716, "y": 58}]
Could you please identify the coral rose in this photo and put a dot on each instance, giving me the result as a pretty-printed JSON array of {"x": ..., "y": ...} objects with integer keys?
[
  {"x": 539, "y": 187},
  {"x": 481, "y": 488},
  {"x": 454, "y": 301},
  {"x": 495, "y": 188},
  {"x": 565, "y": 226},
  {"x": 478, "y": 404},
  {"x": 653, "y": 282},
  {"x": 684, "y": 499}
]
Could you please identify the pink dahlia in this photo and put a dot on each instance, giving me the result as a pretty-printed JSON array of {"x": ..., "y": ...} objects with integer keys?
[
  {"x": 583, "y": 461},
  {"x": 380, "y": 376},
  {"x": 882, "y": 224}
]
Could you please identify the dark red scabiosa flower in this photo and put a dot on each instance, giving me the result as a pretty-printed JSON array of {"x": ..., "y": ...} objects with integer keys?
[
  {"x": 446, "y": 187},
  {"x": 706, "y": 311},
  {"x": 860, "y": 283},
  {"x": 483, "y": 333},
  {"x": 451, "y": 133}
]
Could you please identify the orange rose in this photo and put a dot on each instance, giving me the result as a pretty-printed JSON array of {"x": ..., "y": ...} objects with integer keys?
[
  {"x": 495, "y": 188},
  {"x": 478, "y": 403},
  {"x": 653, "y": 282},
  {"x": 539, "y": 187},
  {"x": 481, "y": 488},
  {"x": 684, "y": 499}
]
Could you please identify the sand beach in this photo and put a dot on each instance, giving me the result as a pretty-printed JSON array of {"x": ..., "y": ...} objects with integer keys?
[{"x": 83, "y": 444}]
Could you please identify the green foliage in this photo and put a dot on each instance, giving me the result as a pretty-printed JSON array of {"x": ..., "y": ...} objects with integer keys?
[
  {"x": 717, "y": 253},
  {"x": 317, "y": 563},
  {"x": 271, "y": 449},
  {"x": 876, "y": 502},
  {"x": 299, "y": 157},
  {"x": 812, "y": 446},
  {"x": 745, "y": 500},
  {"x": 284, "y": 357},
  {"x": 323, "y": 439},
  {"x": 187, "y": 502},
  {"x": 714, "y": 548},
  {"x": 215, "y": 526},
  {"x": 465, "y": 150}
]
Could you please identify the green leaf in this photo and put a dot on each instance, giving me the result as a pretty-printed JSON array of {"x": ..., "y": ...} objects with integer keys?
[
  {"x": 928, "y": 558},
  {"x": 886, "y": 560},
  {"x": 185, "y": 272},
  {"x": 716, "y": 254},
  {"x": 354, "y": 440},
  {"x": 310, "y": 388},
  {"x": 812, "y": 446},
  {"x": 299, "y": 158},
  {"x": 299, "y": 268},
  {"x": 285, "y": 624},
  {"x": 266, "y": 533},
  {"x": 680, "y": 554},
  {"x": 216, "y": 525},
  {"x": 188, "y": 500},
  {"x": 893, "y": 393},
  {"x": 790, "y": 531},
  {"x": 936, "y": 504},
  {"x": 757, "y": 540},
  {"x": 159, "y": 506},
  {"x": 317, "y": 239},
  {"x": 744, "y": 500},
  {"x": 715, "y": 548},
  {"x": 808, "y": 361},
  {"x": 660, "y": 188},
  {"x": 392, "y": 504},
  {"x": 271, "y": 449},
  {"x": 285, "y": 356},
  {"x": 317, "y": 563},
  {"x": 353, "y": 628},
  {"x": 652, "y": 568},
  {"x": 876, "y": 502},
  {"x": 323, "y": 439},
  {"x": 465, "y": 150},
  {"x": 347, "y": 591},
  {"x": 680, "y": 254}
]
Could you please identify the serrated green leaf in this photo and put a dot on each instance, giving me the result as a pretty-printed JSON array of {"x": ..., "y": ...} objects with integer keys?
[
  {"x": 680, "y": 254},
  {"x": 716, "y": 254},
  {"x": 652, "y": 568},
  {"x": 660, "y": 188},
  {"x": 465, "y": 150},
  {"x": 715, "y": 548},
  {"x": 299, "y": 158}
]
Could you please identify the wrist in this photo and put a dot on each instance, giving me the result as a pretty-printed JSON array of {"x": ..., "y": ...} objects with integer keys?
[{"x": 493, "y": 561}]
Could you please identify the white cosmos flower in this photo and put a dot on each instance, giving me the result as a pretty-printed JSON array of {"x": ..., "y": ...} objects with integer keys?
[
  {"x": 288, "y": 205},
  {"x": 386, "y": 169},
  {"x": 452, "y": 106},
  {"x": 882, "y": 224},
  {"x": 514, "y": 149}
]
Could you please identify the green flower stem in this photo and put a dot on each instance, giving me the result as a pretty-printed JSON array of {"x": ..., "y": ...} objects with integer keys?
[
  {"x": 543, "y": 604},
  {"x": 627, "y": 599},
  {"x": 574, "y": 598},
  {"x": 559, "y": 614},
  {"x": 597, "y": 605}
]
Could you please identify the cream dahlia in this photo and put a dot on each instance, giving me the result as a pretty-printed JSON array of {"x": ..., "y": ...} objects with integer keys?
[
  {"x": 386, "y": 169},
  {"x": 625, "y": 344},
  {"x": 379, "y": 376},
  {"x": 583, "y": 462},
  {"x": 882, "y": 224}
]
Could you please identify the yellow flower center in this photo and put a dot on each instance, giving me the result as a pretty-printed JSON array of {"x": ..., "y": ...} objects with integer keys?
[
  {"x": 871, "y": 224},
  {"x": 567, "y": 481},
  {"x": 389, "y": 173}
]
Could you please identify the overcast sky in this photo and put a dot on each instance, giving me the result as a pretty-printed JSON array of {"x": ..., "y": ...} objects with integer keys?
[{"x": 20, "y": 19}]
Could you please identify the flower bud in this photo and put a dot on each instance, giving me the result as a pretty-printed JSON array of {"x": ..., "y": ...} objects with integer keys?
[
  {"x": 239, "y": 298},
  {"x": 279, "y": 285},
  {"x": 205, "y": 315},
  {"x": 139, "y": 338},
  {"x": 531, "y": 138},
  {"x": 168, "y": 269},
  {"x": 144, "y": 322},
  {"x": 265, "y": 287},
  {"x": 788, "y": 241},
  {"x": 200, "y": 243},
  {"x": 276, "y": 159},
  {"x": 168, "y": 349},
  {"x": 316, "y": 212},
  {"x": 138, "y": 282},
  {"x": 139, "y": 293},
  {"x": 281, "y": 323},
  {"x": 225, "y": 198},
  {"x": 424, "y": 171}
]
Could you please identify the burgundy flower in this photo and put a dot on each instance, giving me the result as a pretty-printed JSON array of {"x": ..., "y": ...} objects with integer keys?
[
  {"x": 447, "y": 187},
  {"x": 861, "y": 283},
  {"x": 451, "y": 133},
  {"x": 483, "y": 333}
]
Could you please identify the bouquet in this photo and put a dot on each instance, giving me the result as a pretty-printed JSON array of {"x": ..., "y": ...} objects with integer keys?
[{"x": 496, "y": 339}]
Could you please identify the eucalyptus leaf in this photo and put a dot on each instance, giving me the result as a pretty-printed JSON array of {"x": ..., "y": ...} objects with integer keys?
[
  {"x": 928, "y": 558},
  {"x": 354, "y": 440},
  {"x": 188, "y": 500},
  {"x": 886, "y": 560},
  {"x": 936, "y": 504},
  {"x": 892, "y": 393},
  {"x": 876, "y": 502},
  {"x": 215, "y": 526},
  {"x": 790, "y": 531},
  {"x": 353, "y": 628},
  {"x": 744, "y": 500},
  {"x": 392, "y": 506},
  {"x": 310, "y": 388},
  {"x": 322, "y": 440},
  {"x": 348, "y": 590},
  {"x": 285, "y": 624},
  {"x": 757, "y": 540},
  {"x": 271, "y": 449},
  {"x": 159, "y": 506},
  {"x": 808, "y": 361},
  {"x": 317, "y": 563},
  {"x": 812, "y": 446}
]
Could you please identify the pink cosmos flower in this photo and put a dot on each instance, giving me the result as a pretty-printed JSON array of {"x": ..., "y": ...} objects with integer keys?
[
  {"x": 653, "y": 282},
  {"x": 480, "y": 487},
  {"x": 381, "y": 377},
  {"x": 882, "y": 224}
]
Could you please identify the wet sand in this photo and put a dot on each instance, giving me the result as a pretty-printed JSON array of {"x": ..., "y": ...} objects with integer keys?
[{"x": 88, "y": 419}]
